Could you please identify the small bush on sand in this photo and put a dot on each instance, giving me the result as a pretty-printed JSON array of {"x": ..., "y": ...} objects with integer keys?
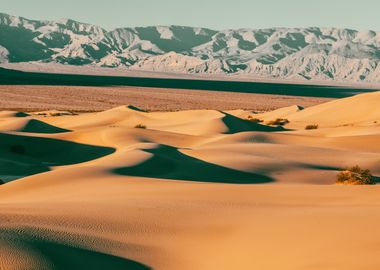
[
  {"x": 355, "y": 176},
  {"x": 309, "y": 127},
  {"x": 254, "y": 120},
  {"x": 140, "y": 126},
  {"x": 278, "y": 122}
]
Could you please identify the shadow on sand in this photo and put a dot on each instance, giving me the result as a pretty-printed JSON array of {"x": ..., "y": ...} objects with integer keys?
[
  {"x": 236, "y": 125},
  {"x": 169, "y": 163},
  {"x": 65, "y": 257},
  {"x": 377, "y": 179},
  {"x": 21, "y": 156},
  {"x": 36, "y": 126},
  {"x": 60, "y": 256}
]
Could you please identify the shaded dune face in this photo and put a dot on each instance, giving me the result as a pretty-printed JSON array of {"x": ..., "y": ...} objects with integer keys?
[
  {"x": 35, "y": 126},
  {"x": 21, "y": 122},
  {"x": 236, "y": 125},
  {"x": 169, "y": 163},
  {"x": 192, "y": 190},
  {"x": 50, "y": 151},
  {"x": 44, "y": 255},
  {"x": 27, "y": 155},
  {"x": 65, "y": 257}
]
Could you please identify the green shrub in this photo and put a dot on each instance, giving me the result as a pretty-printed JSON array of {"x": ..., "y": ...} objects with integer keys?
[
  {"x": 278, "y": 122},
  {"x": 355, "y": 176},
  {"x": 309, "y": 127}
]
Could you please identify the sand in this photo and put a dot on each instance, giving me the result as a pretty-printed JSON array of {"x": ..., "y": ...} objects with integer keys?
[{"x": 195, "y": 189}]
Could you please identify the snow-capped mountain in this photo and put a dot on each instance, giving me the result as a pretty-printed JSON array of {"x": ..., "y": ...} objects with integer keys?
[{"x": 307, "y": 53}]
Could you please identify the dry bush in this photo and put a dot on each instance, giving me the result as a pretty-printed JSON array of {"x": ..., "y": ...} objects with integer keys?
[
  {"x": 41, "y": 114},
  {"x": 55, "y": 114},
  {"x": 278, "y": 122},
  {"x": 355, "y": 176},
  {"x": 254, "y": 120},
  {"x": 313, "y": 126},
  {"x": 140, "y": 126}
]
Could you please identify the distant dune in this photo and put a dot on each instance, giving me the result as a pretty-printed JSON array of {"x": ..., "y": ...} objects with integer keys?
[{"x": 196, "y": 189}]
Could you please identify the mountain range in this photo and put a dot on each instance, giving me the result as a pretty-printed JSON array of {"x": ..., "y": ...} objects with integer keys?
[{"x": 292, "y": 53}]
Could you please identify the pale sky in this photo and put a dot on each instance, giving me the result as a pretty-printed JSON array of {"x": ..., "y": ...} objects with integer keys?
[{"x": 216, "y": 14}]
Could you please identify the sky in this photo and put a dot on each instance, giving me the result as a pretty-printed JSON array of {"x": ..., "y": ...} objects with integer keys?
[{"x": 215, "y": 14}]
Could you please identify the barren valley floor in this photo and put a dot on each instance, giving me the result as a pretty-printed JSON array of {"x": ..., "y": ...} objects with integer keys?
[{"x": 89, "y": 99}]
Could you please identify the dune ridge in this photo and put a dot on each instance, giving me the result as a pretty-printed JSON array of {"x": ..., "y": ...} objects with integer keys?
[{"x": 197, "y": 189}]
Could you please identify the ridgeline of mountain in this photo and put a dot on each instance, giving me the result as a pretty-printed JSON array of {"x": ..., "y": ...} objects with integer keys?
[{"x": 291, "y": 53}]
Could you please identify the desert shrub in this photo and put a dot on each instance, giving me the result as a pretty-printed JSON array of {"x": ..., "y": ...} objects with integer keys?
[
  {"x": 254, "y": 120},
  {"x": 140, "y": 126},
  {"x": 17, "y": 149},
  {"x": 355, "y": 176},
  {"x": 41, "y": 114},
  {"x": 278, "y": 122},
  {"x": 55, "y": 114},
  {"x": 313, "y": 126}
]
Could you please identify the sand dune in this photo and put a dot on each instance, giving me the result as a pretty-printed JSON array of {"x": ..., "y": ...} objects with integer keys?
[
  {"x": 361, "y": 110},
  {"x": 198, "y": 189}
]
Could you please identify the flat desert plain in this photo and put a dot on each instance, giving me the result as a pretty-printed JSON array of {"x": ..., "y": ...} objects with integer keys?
[
  {"x": 196, "y": 189},
  {"x": 92, "y": 99}
]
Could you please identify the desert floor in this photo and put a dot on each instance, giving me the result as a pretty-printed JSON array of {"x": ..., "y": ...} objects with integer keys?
[
  {"x": 89, "y": 99},
  {"x": 196, "y": 189}
]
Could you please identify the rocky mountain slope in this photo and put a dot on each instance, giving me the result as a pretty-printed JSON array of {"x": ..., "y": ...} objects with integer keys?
[{"x": 308, "y": 53}]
